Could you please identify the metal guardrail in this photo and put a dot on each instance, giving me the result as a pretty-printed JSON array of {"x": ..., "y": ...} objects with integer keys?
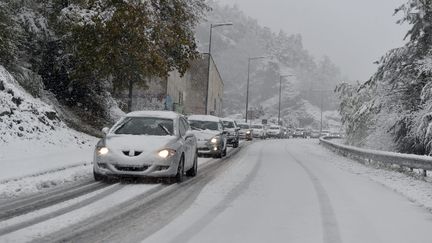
[{"x": 410, "y": 161}]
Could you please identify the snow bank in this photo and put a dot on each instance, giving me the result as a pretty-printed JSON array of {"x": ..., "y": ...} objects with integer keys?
[{"x": 32, "y": 137}]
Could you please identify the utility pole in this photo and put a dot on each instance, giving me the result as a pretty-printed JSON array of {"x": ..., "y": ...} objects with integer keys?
[{"x": 209, "y": 61}]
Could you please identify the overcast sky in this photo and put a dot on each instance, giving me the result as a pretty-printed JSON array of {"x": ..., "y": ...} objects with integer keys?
[{"x": 353, "y": 33}]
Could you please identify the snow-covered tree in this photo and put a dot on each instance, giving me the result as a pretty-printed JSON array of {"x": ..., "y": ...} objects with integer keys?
[{"x": 8, "y": 35}]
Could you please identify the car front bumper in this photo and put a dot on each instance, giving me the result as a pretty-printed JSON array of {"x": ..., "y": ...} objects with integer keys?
[
  {"x": 206, "y": 148},
  {"x": 151, "y": 167}
]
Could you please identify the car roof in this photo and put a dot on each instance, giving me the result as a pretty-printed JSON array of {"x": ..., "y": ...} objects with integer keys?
[
  {"x": 157, "y": 114},
  {"x": 204, "y": 118},
  {"x": 227, "y": 119}
]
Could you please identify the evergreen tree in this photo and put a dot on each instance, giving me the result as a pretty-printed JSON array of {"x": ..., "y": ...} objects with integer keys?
[{"x": 8, "y": 35}]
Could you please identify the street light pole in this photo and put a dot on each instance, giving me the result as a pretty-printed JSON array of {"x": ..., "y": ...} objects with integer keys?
[
  {"x": 247, "y": 90},
  {"x": 247, "y": 84},
  {"x": 209, "y": 60}
]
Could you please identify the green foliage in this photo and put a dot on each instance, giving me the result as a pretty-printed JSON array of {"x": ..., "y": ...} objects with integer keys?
[
  {"x": 130, "y": 40},
  {"x": 8, "y": 35}
]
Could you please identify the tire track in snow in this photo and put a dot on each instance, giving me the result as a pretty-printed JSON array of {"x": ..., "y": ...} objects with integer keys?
[
  {"x": 61, "y": 211},
  {"x": 331, "y": 233},
  {"x": 40, "y": 201},
  {"x": 232, "y": 195},
  {"x": 140, "y": 217}
]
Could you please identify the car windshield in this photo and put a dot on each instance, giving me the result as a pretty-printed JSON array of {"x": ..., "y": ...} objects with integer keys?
[
  {"x": 146, "y": 126},
  {"x": 274, "y": 128},
  {"x": 204, "y": 125},
  {"x": 228, "y": 124},
  {"x": 257, "y": 126},
  {"x": 243, "y": 126}
]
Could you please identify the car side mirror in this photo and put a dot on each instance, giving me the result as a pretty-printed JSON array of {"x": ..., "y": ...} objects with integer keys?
[
  {"x": 189, "y": 134},
  {"x": 105, "y": 130}
]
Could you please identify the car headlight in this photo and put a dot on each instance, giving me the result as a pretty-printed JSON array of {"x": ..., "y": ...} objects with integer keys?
[
  {"x": 214, "y": 140},
  {"x": 102, "y": 150},
  {"x": 248, "y": 132},
  {"x": 165, "y": 153}
]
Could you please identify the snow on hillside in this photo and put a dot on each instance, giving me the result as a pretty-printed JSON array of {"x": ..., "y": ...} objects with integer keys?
[
  {"x": 32, "y": 137},
  {"x": 331, "y": 118}
]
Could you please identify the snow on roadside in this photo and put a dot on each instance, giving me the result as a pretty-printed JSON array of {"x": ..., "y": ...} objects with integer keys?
[
  {"x": 413, "y": 187},
  {"x": 33, "y": 140},
  {"x": 34, "y": 184}
]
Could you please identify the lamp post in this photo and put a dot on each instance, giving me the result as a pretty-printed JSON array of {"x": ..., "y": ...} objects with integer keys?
[
  {"x": 247, "y": 85},
  {"x": 209, "y": 60},
  {"x": 280, "y": 94}
]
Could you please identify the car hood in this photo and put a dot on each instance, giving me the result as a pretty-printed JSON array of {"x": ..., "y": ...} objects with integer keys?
[
  {"x": 205, "y": 135},
  {"x": 138, "y": 142}
]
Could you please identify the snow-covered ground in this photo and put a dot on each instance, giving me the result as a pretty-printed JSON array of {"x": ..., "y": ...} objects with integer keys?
[
  {"x": 33, "y": 141},
  {"x": 297, "y": 191},
  {"x": 271, "y": 191}
]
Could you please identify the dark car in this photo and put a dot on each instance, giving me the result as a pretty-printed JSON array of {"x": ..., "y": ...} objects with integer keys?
[{"x": 232, "y": 132}]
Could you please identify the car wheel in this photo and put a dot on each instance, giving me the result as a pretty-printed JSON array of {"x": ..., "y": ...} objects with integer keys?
[
  {"x": 236, "y": 144},
  {"x": 219, "y": 155},
  {"x": 180, "y": 171},
  {"x": 98, "y": 177},
  {"x": 192, "y": 172}
]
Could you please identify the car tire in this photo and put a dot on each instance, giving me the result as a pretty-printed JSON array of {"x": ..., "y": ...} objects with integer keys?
[
  {"x": 219, "y": 155},
  {"x": 236, "y": 144},
  {"x": 180, "y": 171},
  {"x": 192, "y": 172},
  {"x": 99, "y": 177}
]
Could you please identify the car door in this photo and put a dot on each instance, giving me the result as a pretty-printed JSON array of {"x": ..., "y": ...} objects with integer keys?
[
  {"x": 189, "y": 143},
  {"x": 191, "y": 139},
  {"x": 223, "y": 135}
]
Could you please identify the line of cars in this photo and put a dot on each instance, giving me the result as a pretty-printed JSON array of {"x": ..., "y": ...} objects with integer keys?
[{"x": 161, "y": 144}]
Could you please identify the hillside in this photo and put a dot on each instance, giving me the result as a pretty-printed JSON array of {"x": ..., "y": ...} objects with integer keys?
[
  {"x": 231, "y": 47},
  {"x": 32, "y": 137}
]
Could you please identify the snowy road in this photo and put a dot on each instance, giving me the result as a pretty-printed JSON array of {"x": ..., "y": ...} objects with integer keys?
[
  {"x": 269, "y": 191},
  {"x": 290, "y": 191}
]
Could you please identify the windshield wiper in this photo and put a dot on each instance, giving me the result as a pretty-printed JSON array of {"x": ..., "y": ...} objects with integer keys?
[
  {"x": 165, "y": 129},
  {"x": 196, "y": 128}
]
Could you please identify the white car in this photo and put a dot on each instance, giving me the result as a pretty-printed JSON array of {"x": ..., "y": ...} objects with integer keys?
[
  {"x": 147, "y": 144},
  {"x": 210, "y": 134},
  {"x": 274, "y": 131},
  {"x": 259, "y": 131}
]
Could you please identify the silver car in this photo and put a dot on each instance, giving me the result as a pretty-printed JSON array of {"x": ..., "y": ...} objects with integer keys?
[
  {"x": 211, "y": 136},
  {"x": 147, "y": 144}
]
